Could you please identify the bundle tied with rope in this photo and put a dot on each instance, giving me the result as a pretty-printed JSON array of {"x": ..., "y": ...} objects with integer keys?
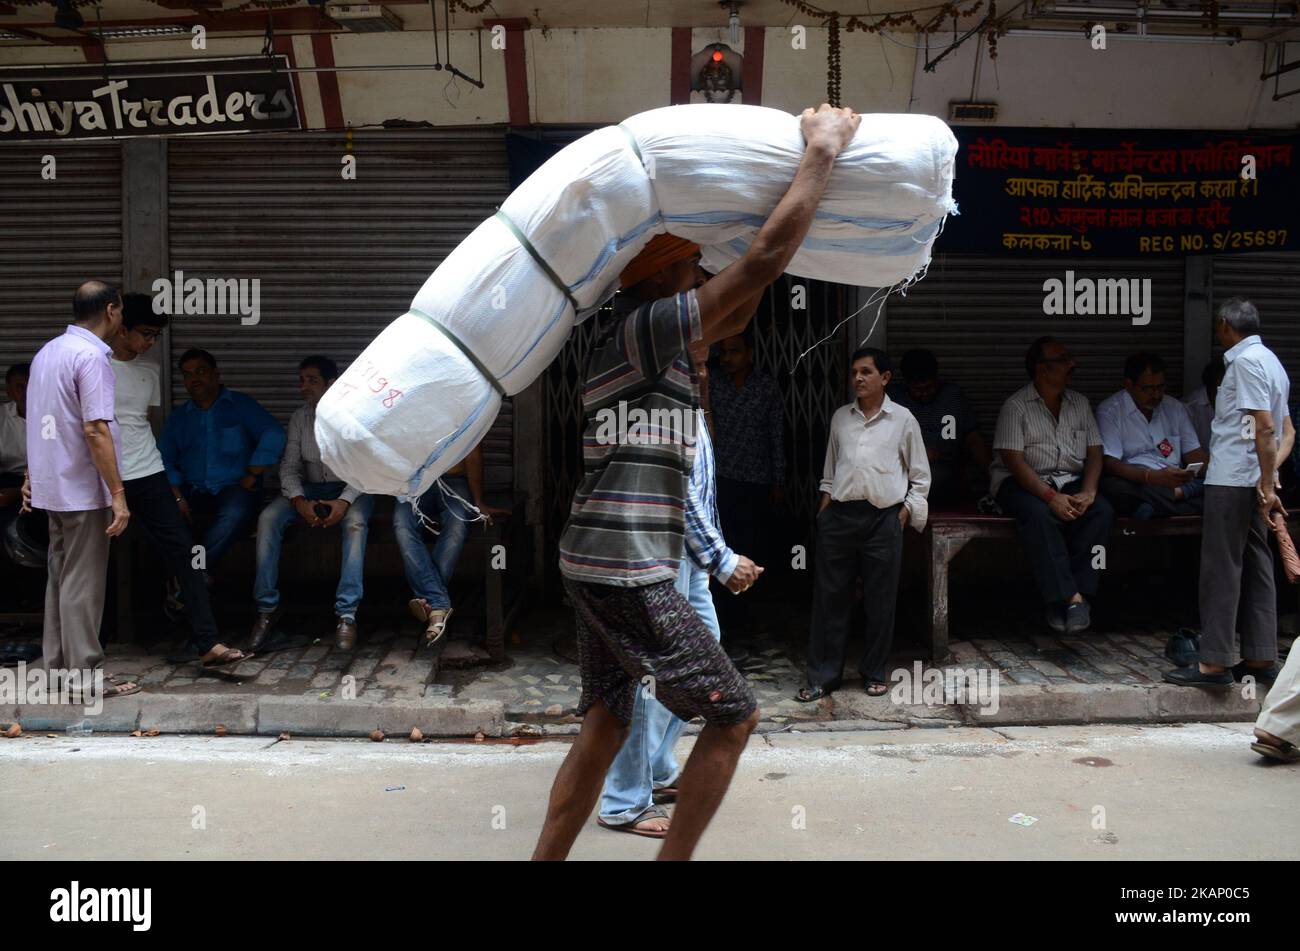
[{"x": 501, "y": 305}]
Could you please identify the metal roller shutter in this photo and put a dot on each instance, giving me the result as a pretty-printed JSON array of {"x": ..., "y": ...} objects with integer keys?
[
  {"x": 338, "y": 260},
  {"x": 1272, "y": 282},
  {"x": 979, "y": 314},
  {"x": 54, "y": 235}
]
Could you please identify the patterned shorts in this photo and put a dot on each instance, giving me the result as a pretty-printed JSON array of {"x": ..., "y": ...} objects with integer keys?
[{"x": 651, "y": 635}]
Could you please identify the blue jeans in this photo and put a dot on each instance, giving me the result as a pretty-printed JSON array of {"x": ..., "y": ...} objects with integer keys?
[
  {"x": 646, "y": 761},
  {"x": 230, "y": 510},
  {"x": 280, "y": 514},
  {"x": 428, "y": 576}
]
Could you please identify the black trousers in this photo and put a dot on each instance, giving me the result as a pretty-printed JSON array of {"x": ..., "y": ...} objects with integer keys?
[
  {"x": 154, "y": 508},
  {"x": 744, "y": 508},
  {"x": 854, "y": 538},
  {"x": 1125, "y": 496},
  {"x": 943, "y": 492},
  {"x": 1060, "y": 553}
]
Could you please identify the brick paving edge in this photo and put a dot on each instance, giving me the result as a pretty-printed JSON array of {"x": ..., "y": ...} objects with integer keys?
[{"x": 245, "y": 714}]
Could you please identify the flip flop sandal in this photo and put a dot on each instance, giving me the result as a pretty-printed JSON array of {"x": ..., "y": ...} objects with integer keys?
[
  {"x": 874, "y": 688},
  {"x": 123, "y": 689},
  {"x": 810, "y": 694},
  {"x": 665, "y": 794},
  {"x": 1286, "y": 752},
  {"x": 224, "y": 660},
  {"x": 654, "y": 812},
  {"x": 433, "y": 633}
]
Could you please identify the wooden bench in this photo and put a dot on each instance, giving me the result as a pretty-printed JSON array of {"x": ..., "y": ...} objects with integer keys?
[{"x": 949, "y": 532}]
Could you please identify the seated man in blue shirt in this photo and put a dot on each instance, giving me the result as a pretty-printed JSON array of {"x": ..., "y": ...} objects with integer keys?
[
  {"x": 1146, "y": 442},
  {"x": 215, "y": 448}
]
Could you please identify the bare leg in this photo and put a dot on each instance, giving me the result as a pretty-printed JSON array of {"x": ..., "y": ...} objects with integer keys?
[
  {"x": 577, "y": 784},
  {"x": 703, "y": 783}
]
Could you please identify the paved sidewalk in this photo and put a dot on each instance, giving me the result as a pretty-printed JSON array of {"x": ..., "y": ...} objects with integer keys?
[{"x": 315, "y": 690}]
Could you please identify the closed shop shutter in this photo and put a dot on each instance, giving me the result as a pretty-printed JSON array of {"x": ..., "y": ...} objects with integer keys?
[
  {"x": 54, "y": 235},
  {"x": 1272, "y": 282},
  {"x": 979, "y": 314},
  {"x": 337, "y": 259}
]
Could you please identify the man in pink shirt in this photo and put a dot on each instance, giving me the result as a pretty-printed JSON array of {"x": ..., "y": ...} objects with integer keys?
[{"x": 72, "y": 466}]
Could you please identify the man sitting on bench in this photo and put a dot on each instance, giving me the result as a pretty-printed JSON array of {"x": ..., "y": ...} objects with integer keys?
[
  {"x": 1045, "y": 474},
  {"x": 1147, "y": 439},
  {"x": 312, "y": 493}
]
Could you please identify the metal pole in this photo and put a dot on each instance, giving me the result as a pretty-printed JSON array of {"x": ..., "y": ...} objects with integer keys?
[{"x": 266, "y": 71}]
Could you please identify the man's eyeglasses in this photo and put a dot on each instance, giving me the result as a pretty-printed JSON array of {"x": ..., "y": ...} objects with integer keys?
[{"x": 150, "y": 335}]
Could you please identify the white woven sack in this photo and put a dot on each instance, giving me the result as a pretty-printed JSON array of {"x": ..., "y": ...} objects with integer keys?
[{"x": 416, "y": 401}]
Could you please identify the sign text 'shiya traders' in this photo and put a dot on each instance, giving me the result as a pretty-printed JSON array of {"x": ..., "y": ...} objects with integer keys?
[{"x": 200, "y": 100}]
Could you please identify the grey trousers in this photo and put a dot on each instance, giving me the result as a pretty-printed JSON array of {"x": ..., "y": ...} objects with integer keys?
[
  {"x": 1237, "y": 591},
  {"x": 74, "y": 593}
]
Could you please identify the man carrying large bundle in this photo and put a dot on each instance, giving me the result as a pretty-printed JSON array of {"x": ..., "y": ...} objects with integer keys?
[{"x": 621, "y": 550}]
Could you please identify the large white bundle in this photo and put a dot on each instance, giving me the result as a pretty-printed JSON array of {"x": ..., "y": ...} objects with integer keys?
[{"x": 417, "y": 400}]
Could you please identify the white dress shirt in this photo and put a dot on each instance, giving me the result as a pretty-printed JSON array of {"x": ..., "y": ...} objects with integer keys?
[
  {"x": 880, "y": 460},
  {"x": 1255, "y": 379},
  {"x": 1160, "y": 442}
]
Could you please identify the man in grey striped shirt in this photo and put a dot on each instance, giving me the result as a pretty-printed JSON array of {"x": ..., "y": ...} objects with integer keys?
[
  {"x": 632, "y": 622},
  {"x": 1045, "y": 474}
]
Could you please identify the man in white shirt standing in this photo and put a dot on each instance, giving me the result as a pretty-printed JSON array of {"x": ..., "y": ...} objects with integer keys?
[
  {"x": 1252, "y": 432},
  {"x": 874, "y": 483},
  {"x": 148, "y": 493},
  {"x": 1146, "y": 441}
]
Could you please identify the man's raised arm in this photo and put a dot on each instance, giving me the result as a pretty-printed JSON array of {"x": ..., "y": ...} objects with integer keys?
[{"x": 723, "y": 300}]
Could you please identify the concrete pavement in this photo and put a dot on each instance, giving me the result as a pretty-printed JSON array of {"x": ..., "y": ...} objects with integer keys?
[{"x": 1097, "y": 792}]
